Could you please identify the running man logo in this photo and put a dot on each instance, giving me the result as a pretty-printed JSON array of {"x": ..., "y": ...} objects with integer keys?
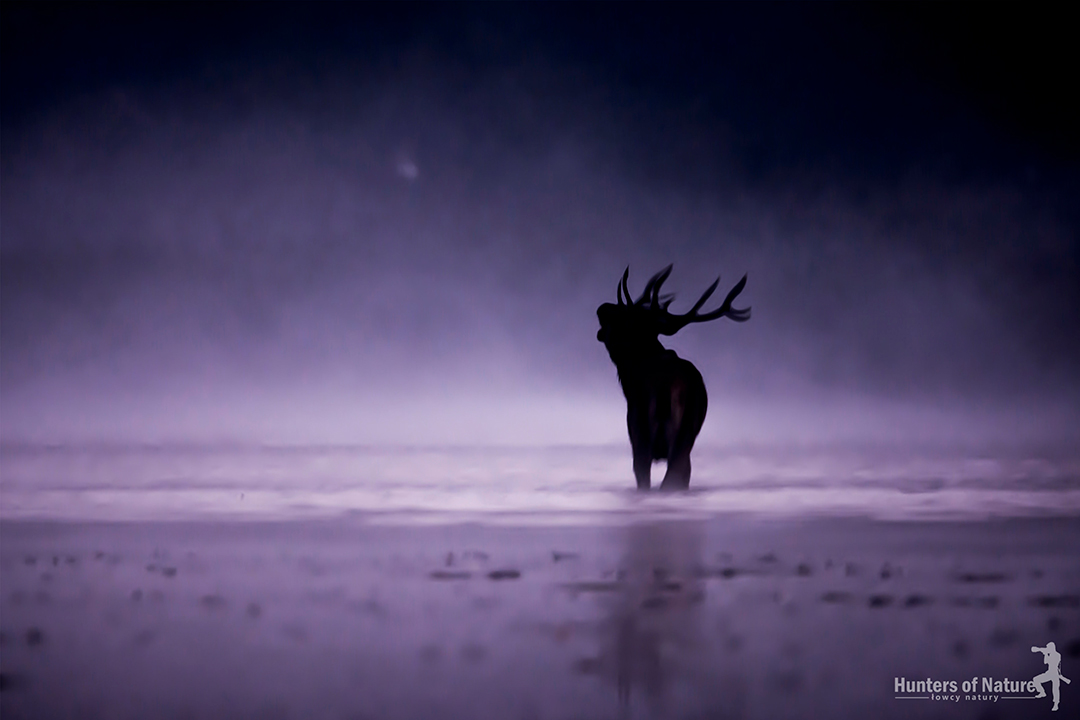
[{"x": 1053, "y": 675}]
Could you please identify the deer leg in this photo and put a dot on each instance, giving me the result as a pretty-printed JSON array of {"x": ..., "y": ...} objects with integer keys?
[
  {"x": 677, "y": 476},
  {"x": 682, "y": 430},
  {"x": 641, "y": 444},
  {"x": 678, "y": 469},
  {"x": 643, "y": 468}
]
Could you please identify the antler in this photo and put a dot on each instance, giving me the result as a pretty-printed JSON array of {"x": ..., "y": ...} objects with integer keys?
[
  {"x": 651, "y": 292},
  {"x": 621, "y": 287},
  {"x": 671, "y": 324},
  {"x": 652, "y": 288}
]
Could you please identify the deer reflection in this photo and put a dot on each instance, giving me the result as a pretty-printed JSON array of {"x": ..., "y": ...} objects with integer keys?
[
  {"x": 649, "y": 632},
  {"x": 665, "y": 395}
]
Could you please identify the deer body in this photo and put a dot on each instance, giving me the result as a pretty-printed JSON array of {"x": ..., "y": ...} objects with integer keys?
[{"x": 665, "y": 394}]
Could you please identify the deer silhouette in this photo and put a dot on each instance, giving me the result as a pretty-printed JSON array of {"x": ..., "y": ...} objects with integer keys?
[{"x": 665, "y": 395}]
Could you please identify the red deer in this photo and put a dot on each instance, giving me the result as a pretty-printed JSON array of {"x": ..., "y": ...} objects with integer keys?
[{"x": 665, "y": 395}]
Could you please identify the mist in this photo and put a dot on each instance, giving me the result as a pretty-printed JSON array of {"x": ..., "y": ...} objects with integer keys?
[{"x": 385, "y": 224}]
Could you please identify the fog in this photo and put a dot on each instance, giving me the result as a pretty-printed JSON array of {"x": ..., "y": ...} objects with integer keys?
[{"x": 394, "y": 225}]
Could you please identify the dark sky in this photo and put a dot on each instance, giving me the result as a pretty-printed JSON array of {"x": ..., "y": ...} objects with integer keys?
[{"x": 368, "y": 222}]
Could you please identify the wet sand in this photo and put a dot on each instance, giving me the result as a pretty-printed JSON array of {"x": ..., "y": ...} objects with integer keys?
[{"x": 733, "y": 616}]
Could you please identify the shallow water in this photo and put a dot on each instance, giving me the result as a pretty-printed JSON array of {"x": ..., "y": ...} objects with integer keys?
[
  {"x": 555, "y": 484},
  {"x": 232, "y": 581}
]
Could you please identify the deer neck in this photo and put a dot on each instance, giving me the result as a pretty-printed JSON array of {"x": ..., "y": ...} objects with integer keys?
[{"x": 642, "y": 362}]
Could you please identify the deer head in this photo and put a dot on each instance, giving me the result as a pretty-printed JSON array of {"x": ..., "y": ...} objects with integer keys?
[{"x": 632, "y": 326}]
